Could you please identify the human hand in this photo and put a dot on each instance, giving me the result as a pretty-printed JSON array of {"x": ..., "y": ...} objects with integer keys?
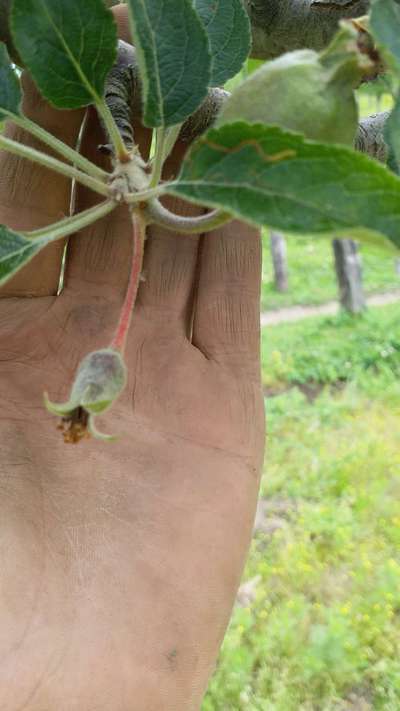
[{"x": 120, "y": 562}]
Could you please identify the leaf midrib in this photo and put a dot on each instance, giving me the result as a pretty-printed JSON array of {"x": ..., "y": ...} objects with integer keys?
[
  {"x": 263, "y": 192},
  {"x": 155, "y": 53},
  {"x": 75, "y": 64},
  {"x": 20, "y": 250}
]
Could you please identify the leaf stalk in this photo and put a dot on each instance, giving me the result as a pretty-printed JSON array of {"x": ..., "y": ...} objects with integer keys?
[
  {"x": 69, "y": 225},
  {"x": 7, "y": 144},
  {"x": 121, "y": 152},
  {"x": 78, "y": 160},
  {"x": 154, "y": 211}
]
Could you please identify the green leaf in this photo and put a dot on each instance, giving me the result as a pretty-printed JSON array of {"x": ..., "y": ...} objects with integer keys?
[
  {"x": 16, "y": 251},
  {"x": 267, "y": 176},
  {"x": 68, "y": 45},
  {"x": 174, "y": 59},
  {"x": 385, "y": 25},
  {"x": 228, "y": 27},
  {"x": 5, "y": 34},
  {"x": 10, "y": 91}
]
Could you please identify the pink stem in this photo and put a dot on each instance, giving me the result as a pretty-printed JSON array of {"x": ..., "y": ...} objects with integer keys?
[{"x": 139, "y": 228}]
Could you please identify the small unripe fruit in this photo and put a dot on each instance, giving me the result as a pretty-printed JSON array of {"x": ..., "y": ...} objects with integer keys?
[
  {"x": 306, "y": 92},
  {"x": 100, "y": 379}
]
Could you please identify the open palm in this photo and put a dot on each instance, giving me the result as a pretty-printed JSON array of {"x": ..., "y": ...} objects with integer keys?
[{"x": 120, "y": 562}]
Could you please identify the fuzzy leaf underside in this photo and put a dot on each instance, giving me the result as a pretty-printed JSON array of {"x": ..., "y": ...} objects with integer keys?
[
  {"x": 385, "y": 25},
  {"x": 68, "y": 45},
  {"x": 174, "y": 59},
  {"x": 228, "y": 28},
  {"x": 271, "y": 177},
  {"x": 10, "y": 91},
  {"x": 16, "y": 251}
]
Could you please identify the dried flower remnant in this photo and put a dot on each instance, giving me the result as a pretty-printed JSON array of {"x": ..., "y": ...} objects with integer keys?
[{"x": 75, "y": 426}]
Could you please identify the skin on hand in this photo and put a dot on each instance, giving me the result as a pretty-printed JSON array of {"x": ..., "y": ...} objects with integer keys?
[{"x": 120, "y": 562}]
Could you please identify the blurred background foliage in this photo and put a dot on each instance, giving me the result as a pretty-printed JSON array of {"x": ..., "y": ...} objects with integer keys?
[{"x": 316, "y": 625}]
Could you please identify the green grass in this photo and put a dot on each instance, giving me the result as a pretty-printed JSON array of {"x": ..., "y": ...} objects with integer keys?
[
  {"x": 328, "y": 350},
  {"x": 321, "y": 631},
  {"x": 312, "y": 278}
]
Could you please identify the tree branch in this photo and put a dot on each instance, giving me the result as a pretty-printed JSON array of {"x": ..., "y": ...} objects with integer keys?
[
  {"x": 278, "y": 25},
  {"x": 123, "y": 96},
  {"x": 370, "y": 137},
  {"x": 281, "y": 26}
]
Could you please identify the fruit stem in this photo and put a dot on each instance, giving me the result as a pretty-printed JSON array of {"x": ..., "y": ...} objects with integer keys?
[{"x": 139, "y": 230}]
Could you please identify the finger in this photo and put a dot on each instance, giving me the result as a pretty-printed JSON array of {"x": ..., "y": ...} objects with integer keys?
[
  {"x": 226, "y": 326},
  {"x": 170, "y": 259},
  {"x": 166, "y": 293},
  {"x": 170, "y": 264},
  {"x": 98, "y": 259},
  {"x": 32, "y": 196},
  {"x": 121, "y": 17}
]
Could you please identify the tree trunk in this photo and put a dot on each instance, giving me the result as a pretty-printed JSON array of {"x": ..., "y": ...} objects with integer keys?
[
  {"x": 279, "y": 261},
  {"x": 349, "y": 275},
  {"x": 370, "y": 137}
]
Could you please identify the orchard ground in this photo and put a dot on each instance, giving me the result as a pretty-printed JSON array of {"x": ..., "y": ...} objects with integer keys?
[
  {"x": 312, "y": 277},
  {"x": 317, "y": 622}
]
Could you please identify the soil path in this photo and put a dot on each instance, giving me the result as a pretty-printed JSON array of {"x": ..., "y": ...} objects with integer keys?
[{"x": 296, "y": 313}]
